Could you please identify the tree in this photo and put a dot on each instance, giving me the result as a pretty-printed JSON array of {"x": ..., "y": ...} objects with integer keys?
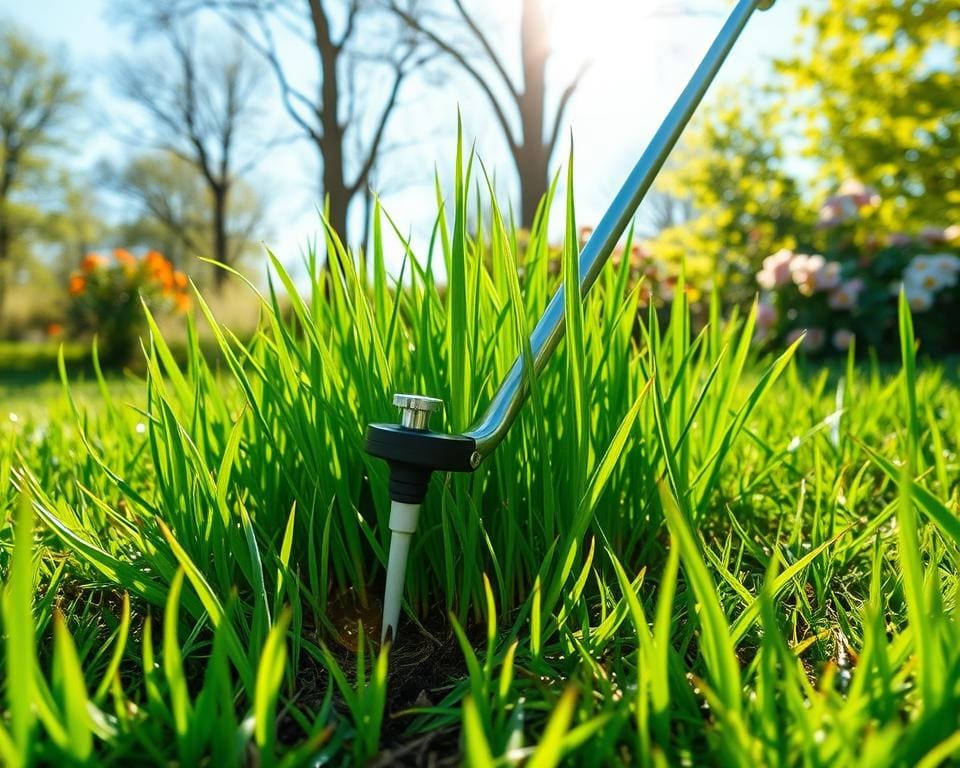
[
  {"x": 74, "y": 225},
  {"x": 741, "y": 203},
  {"x": 529, "y": 123},
  {"x": 876, "y": 89},
  {"x": 36, "y": 97},
  {"x": 174, "y": 213},
  {"x": 351, "y": 56},
  {"x": 202, "y": 108}
]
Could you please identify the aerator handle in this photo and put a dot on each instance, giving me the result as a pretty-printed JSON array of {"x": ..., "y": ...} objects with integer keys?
[
  {"x": 503, "y": 409},
  {"x": 413, "y": 454}
]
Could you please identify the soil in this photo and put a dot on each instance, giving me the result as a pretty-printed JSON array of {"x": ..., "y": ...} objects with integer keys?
[{"x": 425, "y": 663}]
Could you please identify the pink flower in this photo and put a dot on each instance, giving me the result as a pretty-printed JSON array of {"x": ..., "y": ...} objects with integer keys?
[
  {"x": 899, "y": 239},
  {"x": 860, "y": 193},
  {"x": 766, "y": 319},
  {"x": 836, "y": 211},
  {"x": 845, "y": 206},
  {"x": 776, "y": 270},
  {"x": 766, "y": 315},
  {"x": 842, "y": 339},
  {"x": 846, "y": 294},
  {"x": 814, "y": 273},
  {"x": 828, "y": 277}
]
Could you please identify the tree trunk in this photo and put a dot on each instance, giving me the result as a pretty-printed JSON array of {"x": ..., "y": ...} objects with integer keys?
[
  {"x": 330, "y": 142},
  {"x": 532, "y": 155},
  {"x": 335, "y": 189},
  {"x": 220, "y": 244},
  {"x": 533, "y": 167}
]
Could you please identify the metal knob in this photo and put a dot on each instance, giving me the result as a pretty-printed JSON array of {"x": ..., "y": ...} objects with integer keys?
[{"x": 415, "y": 410}]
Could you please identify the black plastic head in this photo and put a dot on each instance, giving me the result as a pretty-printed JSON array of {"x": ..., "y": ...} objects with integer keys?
[{"x": 413, "y": 455}]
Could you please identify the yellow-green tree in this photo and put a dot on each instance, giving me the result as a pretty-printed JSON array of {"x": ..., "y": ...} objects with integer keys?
[
  {"x": 875, "y": 90},
  {"x": 35, "y": 99},
  {"x": 742, "y": 202}
]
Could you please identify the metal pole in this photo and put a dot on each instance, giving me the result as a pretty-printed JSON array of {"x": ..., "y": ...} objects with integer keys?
[{"x": 506, "y": 403}]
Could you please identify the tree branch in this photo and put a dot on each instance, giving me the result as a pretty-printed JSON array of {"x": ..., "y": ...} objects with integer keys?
[
  {"x": 374, "y": 146},
  {"x": 562, "y": 105},
  {"x": 487, "y": 47},
  {"x": 462, "y": 60}
]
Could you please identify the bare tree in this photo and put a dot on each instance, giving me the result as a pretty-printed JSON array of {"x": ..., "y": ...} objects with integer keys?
[
  {"x": 457, "y": 33},
  {"x": 356, "y": 50},
  {"x": 35, "y": 98},
  {"x": 173, "y": 210},
  {"x": 202, "y": 108}
]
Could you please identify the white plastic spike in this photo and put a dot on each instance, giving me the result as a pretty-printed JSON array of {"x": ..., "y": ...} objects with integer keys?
[{"x": 403, "y": 524}]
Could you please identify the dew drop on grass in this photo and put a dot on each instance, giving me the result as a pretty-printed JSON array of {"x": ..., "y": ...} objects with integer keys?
[
  {"x": 793, "y": 444},
  {"x": 141, "y": 427}
]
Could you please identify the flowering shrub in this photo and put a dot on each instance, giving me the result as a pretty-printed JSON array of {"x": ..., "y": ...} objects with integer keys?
[
  {"x": 849, "y": 290},
  {"x": 105, "y": 297},
  {"x": 656, "y": 283}
]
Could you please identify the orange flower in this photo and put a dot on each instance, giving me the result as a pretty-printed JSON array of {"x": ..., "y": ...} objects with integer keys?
[
  {"x": 181, "y": 301},
  {"x": 159, "y": 269},
  {"x": 180, "y": 281},
  {"x": 78, "y": 283},
  {"x": 92, "y": 261},
  {"x": 125, "y": 259},
  {"x": 54, "y": 329}
]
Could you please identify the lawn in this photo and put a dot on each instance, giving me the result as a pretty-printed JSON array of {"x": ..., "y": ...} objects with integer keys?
[{"x": 686, "y": 551}]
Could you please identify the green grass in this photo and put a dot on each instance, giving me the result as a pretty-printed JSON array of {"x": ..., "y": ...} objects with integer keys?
[{"x": 682, "y": 553}]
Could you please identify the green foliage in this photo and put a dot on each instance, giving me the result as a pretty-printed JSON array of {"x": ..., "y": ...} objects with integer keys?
[
  {"x": 36, "y": 97},
  {"x": 874, "y": 93},
  {"x": 742, "y": 204}
]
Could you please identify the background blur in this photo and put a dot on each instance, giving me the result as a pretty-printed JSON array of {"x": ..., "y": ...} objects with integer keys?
[{"x": 139, "y": 138}]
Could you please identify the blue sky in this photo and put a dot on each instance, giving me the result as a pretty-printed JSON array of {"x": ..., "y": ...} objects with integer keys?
[{"x": 639, "y": 66}]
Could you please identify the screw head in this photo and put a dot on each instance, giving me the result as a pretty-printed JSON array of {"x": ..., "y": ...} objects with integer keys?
[
  {"x": 475, "y": 459},
  {"x": 417, "y": 403},
  {"x": 415, "y": 410}
]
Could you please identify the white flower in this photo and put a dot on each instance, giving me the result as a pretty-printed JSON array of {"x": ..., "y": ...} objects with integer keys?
[
  {"x": 927, "y": 281},
  {"x": 918, "y": 297},
  {"x": 948, "y": 267},
  {"x": 845, "y": 295},
  {"x": 932, "y": 272}
]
